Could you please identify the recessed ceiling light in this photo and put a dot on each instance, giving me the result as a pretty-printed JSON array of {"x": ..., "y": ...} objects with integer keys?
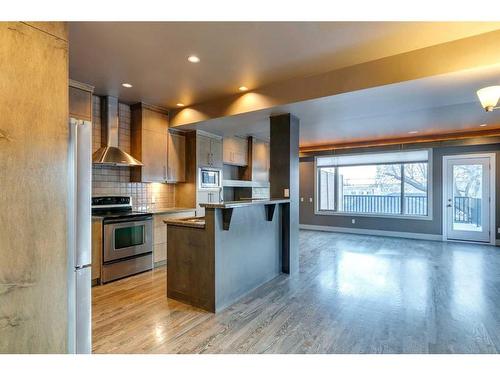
[
  {"x": 413, "y": 132},
  {"x": 194, "y": 59},
  {"x": 243, "y": 88},
  {"x": 180, "y": 105},
  {"x": 127, "y": 85},
  {"x": 483, "y": 125}
]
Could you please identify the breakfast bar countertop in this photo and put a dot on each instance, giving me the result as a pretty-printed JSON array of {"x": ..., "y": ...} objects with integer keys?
[
  {"x": 243, "y": 203},
  {"x": 191, "y": 222},
  {"x": 169, "y": 210}
]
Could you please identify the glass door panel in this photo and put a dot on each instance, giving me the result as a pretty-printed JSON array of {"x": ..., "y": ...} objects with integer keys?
[{"x": 468, "y": 199}]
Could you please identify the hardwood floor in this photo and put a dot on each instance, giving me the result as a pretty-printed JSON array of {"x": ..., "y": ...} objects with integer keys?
[{"x": 354, "y": 294}]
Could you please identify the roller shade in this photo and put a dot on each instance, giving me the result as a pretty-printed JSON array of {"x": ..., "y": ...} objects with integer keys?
[{"x": 374, "y": 158}]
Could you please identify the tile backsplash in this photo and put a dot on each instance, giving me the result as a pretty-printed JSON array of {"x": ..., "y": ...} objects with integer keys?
[{"x": 116, "y": 180}]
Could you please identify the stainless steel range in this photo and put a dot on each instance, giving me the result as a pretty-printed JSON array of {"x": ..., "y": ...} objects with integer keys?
[{"x": 127, "y": 237}]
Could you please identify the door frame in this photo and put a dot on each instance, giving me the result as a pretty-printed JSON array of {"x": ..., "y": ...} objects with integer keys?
[{"x": 492, "y": 157}]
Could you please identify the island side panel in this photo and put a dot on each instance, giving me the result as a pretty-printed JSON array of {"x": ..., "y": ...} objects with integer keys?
[
  {"x": 247, "y": 255},
  {"x": 190, "y": 266}
]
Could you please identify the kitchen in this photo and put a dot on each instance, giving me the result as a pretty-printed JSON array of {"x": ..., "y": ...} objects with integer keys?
[
  {"x": 142, "y": 217},
  {"x": 146, "y": 177}
]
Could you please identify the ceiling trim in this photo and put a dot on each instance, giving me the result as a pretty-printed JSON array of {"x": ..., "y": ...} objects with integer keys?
[
  {"x": 463, "y": 54},
  {"x": 439, "y": 137},
  {"x": 151, "y": 107},
  {"x": 81, "y": 86}
]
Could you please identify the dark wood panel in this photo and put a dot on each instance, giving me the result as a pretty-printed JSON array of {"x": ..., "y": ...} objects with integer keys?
[
  {"x": 149, "y": 144},
  {"x": 80, "y": 103},
  {"x": 190, "y": 256},
  {"x": 33, "y": 171},
  {"x": 96, "y": 248},
  {"x": 185, "y": 193}
]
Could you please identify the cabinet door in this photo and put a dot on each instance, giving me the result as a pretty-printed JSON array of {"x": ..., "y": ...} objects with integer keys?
[
  {"x": 227, "y": 151},
  {"x": 148, "y": 143},
  {"x": 235, "y": 151},
  {"x": 216, "y": 153},
  {"x": 203, "y": 196},
  {"x": 96, "y": 248},
  {"x": 203, "y": 150},
  {"x": 216, "y": 197},
  {"x": 176, "y": 170},
  {"x": 154, "y": 156},
  {"x": 243, "y": 151},
  {"x": 154, "y": 121},
  {"x": 261, "y": 161},
  {"x": 80, "y": 104}
]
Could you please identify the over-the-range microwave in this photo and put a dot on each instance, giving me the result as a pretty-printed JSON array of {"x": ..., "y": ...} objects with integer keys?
[{"x": 210, "y": 178}]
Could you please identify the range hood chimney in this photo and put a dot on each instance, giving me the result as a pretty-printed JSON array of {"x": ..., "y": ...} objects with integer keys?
[{"x": 109, "y": 153}]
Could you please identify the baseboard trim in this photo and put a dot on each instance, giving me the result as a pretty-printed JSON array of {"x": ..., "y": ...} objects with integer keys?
[
  {"x": 160, "y": 263},
  {"x": 374, "y": 232}
]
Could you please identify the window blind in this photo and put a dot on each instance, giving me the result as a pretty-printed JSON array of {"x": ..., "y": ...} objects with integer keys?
[{"x": 413, "y": 156}]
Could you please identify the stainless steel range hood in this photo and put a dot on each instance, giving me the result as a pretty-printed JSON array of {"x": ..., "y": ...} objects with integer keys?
[{"x": 110, "y": 153}]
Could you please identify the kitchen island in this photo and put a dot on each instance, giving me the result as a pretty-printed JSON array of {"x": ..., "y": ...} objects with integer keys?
[{"x": 238, "y": 246}]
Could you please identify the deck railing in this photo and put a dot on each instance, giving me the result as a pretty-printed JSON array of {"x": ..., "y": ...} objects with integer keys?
[
  {"x": 385, "y": 204},
  {"x": 467, "y": 210}
]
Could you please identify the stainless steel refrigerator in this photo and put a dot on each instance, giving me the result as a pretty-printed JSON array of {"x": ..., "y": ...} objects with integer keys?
[{"x": 79, "y": 245}]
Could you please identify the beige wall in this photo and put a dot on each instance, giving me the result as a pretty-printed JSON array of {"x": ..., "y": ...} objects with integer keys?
[
  {"x": 116, "y": 180},
  {"x": 33, "y": 187},
  {"x": 468, "y": 53}
]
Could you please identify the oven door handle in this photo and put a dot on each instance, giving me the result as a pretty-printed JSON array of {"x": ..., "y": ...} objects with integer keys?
[{"x": 127, "y": 220}]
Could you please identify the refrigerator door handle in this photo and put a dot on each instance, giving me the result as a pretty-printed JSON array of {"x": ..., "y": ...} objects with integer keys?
[
  {"x": 83, "y": 213},
  {"x": 82, "y": 267}
]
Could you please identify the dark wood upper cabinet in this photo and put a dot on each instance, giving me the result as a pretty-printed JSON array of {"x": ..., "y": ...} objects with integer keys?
[
  {"x": 80, "y": 100},
  {"x": 209, "y": 150},
  {"x": 235, "y": 151},
  {"x": 176, "y": 164},
  {"x": 162, "y": 153},
  {"x": 148, "y": 143}
]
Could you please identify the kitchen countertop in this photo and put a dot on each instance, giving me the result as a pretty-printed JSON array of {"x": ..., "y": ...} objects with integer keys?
[
  {"x": 199, "y": 224},
  {"x": 243, "y": 203},
  {"x": 170, "y": 210},
  {"x": 245, "y": 183},
  {"x": 157, "y": 211}
]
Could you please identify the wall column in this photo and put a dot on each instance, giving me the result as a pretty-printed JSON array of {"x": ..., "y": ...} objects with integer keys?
[
  {"x": 33, "y": 187},
  {"x": 284, "y": 178}
]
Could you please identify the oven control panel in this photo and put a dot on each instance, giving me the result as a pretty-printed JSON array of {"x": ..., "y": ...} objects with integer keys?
[{"x": 111, "y": 201}]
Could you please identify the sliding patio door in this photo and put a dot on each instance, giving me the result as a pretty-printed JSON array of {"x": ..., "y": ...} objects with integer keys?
[{"x": 467, "y": 198}]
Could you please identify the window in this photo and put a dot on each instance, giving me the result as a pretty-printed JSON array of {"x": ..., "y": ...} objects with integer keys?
[
  {"x": 327, "y": 188},
  {"x": 394, "y": 183}
]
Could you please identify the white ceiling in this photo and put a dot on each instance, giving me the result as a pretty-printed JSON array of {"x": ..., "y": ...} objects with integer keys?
[
  {"x": 152, "y": 56},
  {"x": 431, "y": 105}
]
